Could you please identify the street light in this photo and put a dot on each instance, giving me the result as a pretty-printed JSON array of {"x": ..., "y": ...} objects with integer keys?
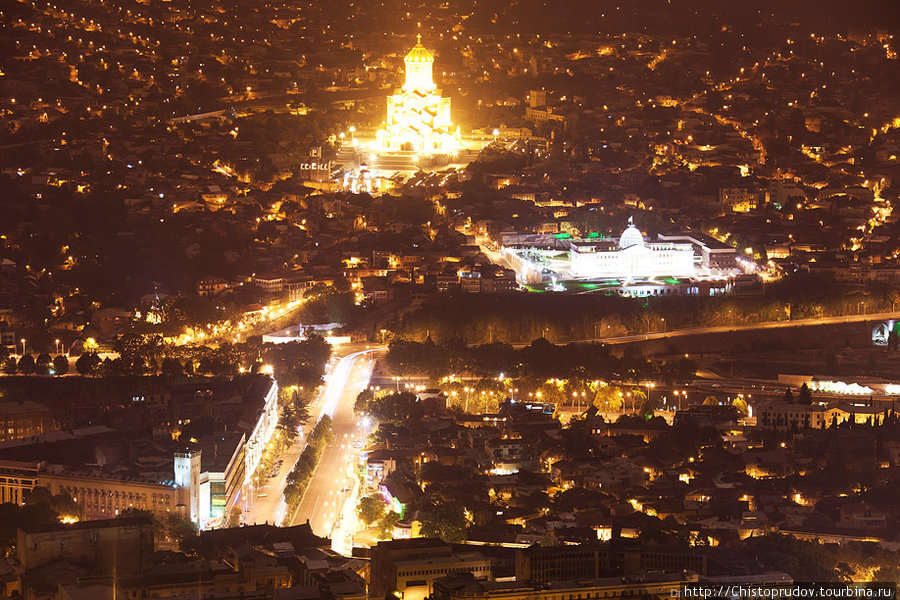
[
  {"x": 57, "y": 346},
  {"x": 23, "y": 346}
]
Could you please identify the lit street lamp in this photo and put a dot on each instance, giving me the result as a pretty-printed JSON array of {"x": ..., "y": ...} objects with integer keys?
[{"x": 23, "y": 346}]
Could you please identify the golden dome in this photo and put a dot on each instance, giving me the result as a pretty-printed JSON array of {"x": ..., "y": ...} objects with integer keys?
[{"x": 419, "y": 54}]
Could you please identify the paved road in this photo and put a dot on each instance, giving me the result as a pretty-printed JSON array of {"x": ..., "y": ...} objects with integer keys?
[
  {"x": 267, "y": 501},
  {"x": 332, "y": 487},
  {"x": 657, "y": 335},
  {"x": 267, "y": 505}
]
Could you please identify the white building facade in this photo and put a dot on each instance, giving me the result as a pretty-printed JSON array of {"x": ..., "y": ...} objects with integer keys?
[
  {"x": 631, "y": 257},
  {"x": 262, "y": 431}
]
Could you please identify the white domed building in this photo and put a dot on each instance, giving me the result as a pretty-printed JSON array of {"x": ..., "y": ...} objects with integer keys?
[{"x": 630, "y": 257}]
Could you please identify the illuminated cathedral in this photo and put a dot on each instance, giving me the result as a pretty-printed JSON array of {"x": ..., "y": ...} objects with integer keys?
[{"x": 418, "y": 118}]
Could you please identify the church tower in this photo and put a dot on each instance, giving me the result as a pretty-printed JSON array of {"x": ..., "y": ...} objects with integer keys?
[
  {"x": 419, "y": 63},
  {"x": 418, "y": 118}
]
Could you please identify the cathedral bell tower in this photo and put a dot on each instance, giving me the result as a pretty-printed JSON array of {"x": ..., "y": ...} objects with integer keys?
[{"x": 419, "y": 63}]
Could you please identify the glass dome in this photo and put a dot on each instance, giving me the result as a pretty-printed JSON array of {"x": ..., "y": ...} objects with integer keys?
[{"x": 631, "y": 236}]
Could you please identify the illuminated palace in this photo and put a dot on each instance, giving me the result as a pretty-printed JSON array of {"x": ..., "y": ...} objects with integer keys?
[
  {"x": 629, "y": 258},
  {"x": 688, "y": 262},
  {"x": 418, "y": 118}
]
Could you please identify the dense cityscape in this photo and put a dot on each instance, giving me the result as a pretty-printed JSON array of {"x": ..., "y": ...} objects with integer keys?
[{"x": 449, "y": 300}]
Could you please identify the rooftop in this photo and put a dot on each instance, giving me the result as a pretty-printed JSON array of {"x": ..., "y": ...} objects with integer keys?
[
  {"x": 20, "y": 407},
  {"x": 85, "y": 525}
]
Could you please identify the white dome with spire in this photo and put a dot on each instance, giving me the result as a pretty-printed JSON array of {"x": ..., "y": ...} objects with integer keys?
[{"x": 631, "y": 236}]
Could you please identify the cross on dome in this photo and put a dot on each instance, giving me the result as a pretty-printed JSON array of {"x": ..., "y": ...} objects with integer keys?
[{"x": 419, "y": 54}]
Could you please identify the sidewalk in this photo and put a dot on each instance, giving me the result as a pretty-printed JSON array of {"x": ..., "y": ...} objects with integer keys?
[{"x": 266, "y": 499}]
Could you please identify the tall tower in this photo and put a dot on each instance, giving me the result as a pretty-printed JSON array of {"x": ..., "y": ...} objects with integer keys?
[
  {"x": 419, "y": 64},
  {"x": 187, "y": 478}
]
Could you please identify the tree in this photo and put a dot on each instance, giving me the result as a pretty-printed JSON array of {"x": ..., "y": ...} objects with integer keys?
[
  {"x": 181, "y": 529},
  {"x": 370, "y": 509},
  {"x": 9, "y": 366},
  {"x": 647, "y": 405},
  {"x": 387, "y": 523},
  {"x": 234, "y": 517},
  {"x": 576, "y": 437},
  {"x": 13, "y": 516},
  {"x": 127, "y": 513},
  {"x": 805, "y": 396},
  {"x": 27, "y": 365},
  {"x": 60, "y": 365},
  {"x": 62, "y": 504},
  {"x": 788, "y": 396},
  {"x": 159, "y": 530},
  {"x": 363, "y": 400},
  {"x": 293, "y": 417},
  {"x": 710, "y": 401},
  {"x": 112, "y": 367},
  {"x": 141, "y": 352},
  {"x": 445, "y": 521},
  {"x": 171, "y": 367},
  {"x": 741, "y": 405},
  {"x": 42, "y": 365},
  {"x": 88, "y": 364}
]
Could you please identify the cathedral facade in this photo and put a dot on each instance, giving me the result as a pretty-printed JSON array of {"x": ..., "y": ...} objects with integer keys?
[{"x": 418, "y": 118}]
